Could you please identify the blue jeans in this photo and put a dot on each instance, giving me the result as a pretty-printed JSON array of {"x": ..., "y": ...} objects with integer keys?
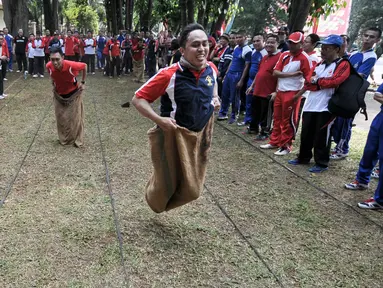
[
  {"x": 231, "y": 95},
  {"x": 373, "y": 151},
  {"x": 341, "y": 131}
]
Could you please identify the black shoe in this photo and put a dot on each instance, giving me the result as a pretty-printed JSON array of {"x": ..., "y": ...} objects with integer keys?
[{"x": 125, "y": 105}]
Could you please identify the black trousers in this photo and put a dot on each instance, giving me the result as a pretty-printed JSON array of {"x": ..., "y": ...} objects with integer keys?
[
  {"x": 4, "y": 67},
  {"x": 90, "y": 61},
  {"x": 259, "y": 113},
  {"x": 31, "y": 65},
  {"x": 315, "y": 134},
  {"x": 39, "y": 65},
  {"x": 21, "y": 59},
  {"x": 115, "y": 63},
  {"x": 303, "y": 100},
  {"x": 1, "y": 86},
  {"x": 47, "y": 58},
  {"x": 152, "y": 63}
]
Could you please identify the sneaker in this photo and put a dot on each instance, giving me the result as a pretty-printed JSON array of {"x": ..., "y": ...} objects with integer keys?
[
  {"x": 375, "y": 173},
  {"x": 242, "y": 123},
  {"x": 5, "y": 95},
  {"x": 370, "y": 204},
  {"x": 93, "y": 73},
  {"x": 1, "y": 97},
  {"x": 231, "y": 121},
  {"x": 317, "y": 169},
  {"x": 5, "y": 79},
  {"x": 338, "y": 156},
  {"x": 35, "y": 76},
  {"x": 355, "y": 185},
  {"x": 282, "y": 151},
  {"x": 10, "y": 70},
  {"x": 25, "y": 74},
  {"x": 222, "y": 117},
  {"x": 41, "y": 76},
  {"x": 296, "y": 161},
  {"x": 268, "y": 146},
  {"x": 261, "y": 137},
  {"x": 18, "y": 71}
]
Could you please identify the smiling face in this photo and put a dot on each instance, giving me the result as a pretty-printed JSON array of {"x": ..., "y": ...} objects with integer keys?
[
  {"x": 196, "y": 48},
  {"x": 258, "y": 42}
]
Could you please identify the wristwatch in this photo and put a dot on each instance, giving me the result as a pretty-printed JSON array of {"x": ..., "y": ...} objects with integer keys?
[{"x": 82, "y": 82}]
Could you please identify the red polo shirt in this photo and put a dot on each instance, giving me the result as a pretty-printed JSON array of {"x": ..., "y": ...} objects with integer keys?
[
  {"x": 138, "y": 54},
  {"x": 265, "y": 82},
  {"x": 70, "y": 43},
  {"x": 65, "y": 80},
  {"x": 114, "y": 47}
]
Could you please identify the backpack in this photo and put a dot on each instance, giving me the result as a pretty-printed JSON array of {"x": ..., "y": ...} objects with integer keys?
[{"x": 348, "y": 98}]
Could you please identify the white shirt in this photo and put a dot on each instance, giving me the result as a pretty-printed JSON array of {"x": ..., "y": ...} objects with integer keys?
[
  {"x": 62, "y": 45},
  {"x": 314, "y": 60},
  {"x": 90, "y": 50},
  {"x": 31, "y": 51},
  {"x": 317, "y": 101},
  {"x": 39, "y": 51}
]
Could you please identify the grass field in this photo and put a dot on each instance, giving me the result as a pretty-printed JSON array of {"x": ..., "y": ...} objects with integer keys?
[{"x": 78, "y": 217}]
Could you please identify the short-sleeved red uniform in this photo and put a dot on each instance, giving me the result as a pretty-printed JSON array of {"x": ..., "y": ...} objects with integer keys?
[{"x": 65, "y": 79}]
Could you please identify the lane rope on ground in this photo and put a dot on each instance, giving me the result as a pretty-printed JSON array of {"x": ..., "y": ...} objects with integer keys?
[
  {"x": 328, "y": 194},
  {"x": 10, "y": 185},
  {"x": 110, "y": 192},
  {"x": 236, "y": 228}
]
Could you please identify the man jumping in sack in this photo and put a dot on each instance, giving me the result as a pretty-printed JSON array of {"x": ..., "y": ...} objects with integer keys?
[
  {"x": 181, "y": 141},
  {"x": 67, "y": 97}
]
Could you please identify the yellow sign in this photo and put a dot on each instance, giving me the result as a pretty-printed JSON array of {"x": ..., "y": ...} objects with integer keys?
[{"x": 209, "y": 80}]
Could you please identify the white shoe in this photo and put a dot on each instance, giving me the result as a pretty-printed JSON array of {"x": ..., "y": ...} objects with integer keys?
[
  {"x": 18, "y": 71},
  {"x": 35, "y": 76},
  {"x": 268, "y": 146},
  {"x": 282, "y": 151},
  {"x": 5, "y": 79},
  {"x": 1, "y": 97},
  {"x": 41, "y": 76},
  {"x": 93, "y": 73},
  {"x": 5, "y": 95}
]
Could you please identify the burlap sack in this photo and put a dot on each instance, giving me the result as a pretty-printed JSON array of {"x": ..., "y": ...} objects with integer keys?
[
  {"x": 70, "y": 118},
  {"x": 179, "y": 159}
]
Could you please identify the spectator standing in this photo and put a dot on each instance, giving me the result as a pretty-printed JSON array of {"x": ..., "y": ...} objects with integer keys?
[
  {"x": 21, "y": 42},
  {"x": 101, "y": 42},
  {"x": 9, "y": 39},
  {"x": 363, "y": 61},
  {"x": 138, "y": 52},
  {"x": 292, "y": 69},
  {"x": 90, "y": 53},
  {"x": 31, "y": 54},
  {"x": 317, "y": 120},
  {"x": 39, "y": 56}
]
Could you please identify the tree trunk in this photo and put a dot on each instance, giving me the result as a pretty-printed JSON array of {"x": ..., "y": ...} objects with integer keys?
[
  {"x": 55, "y": 13},
  {"x": 298, "y": 13},
  {"x": 207, "y": 12},
  {"x": 127, "y": 11},
  {"x": 131, "y": 14},
  {"x": 120, "y": 19},
  {"x": 190, "y": 11},
  {"x": 113, "y": 15},
  {"x": 183, "y": 13},
  {"x": 222, "y": 16},
  {"x": 145, "y": 20},
  {"x": 48, "y": 16},
  {"x": 201, "y": 12},
  {"x": 15, "y": 15}
]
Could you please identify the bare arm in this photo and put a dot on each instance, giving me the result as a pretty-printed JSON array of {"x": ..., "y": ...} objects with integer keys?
[
  {"x": 244, "y": 75},
  {"x": 279, "y": 74}
]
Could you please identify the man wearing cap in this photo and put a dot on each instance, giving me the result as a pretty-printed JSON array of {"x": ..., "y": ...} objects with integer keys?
[
  {"x": 363, "y": 61},
  {"x": 235, "y": 78},
  {"x": 292, "y": 69},
  {"x": 316, "y": 119}
]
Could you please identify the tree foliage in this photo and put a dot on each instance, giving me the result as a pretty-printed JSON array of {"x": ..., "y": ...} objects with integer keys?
[{"x": 80, "y": 15}]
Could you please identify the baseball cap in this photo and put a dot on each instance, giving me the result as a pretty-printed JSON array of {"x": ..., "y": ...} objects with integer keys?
[
  {"x": 332, "y": 40},
  {"x": 226, "y": 36},
  {"x": 296, "y": 37}
]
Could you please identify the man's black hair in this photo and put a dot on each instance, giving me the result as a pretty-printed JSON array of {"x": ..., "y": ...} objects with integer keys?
[
  {"x": 298, "y": 30},
  {"x": 187, "y": 30},
  {"x": 241, "y": 32},
  {"x": 347, "y": 37},
  {"x": 375, "y": 29},
  {"x": 314, "y": 38},
  {"x": 56, "y": 50},
  {"x": 175, "y": 44},
  {"x": 259, "y": 34},
  {"x": 272, "y": 36}
]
